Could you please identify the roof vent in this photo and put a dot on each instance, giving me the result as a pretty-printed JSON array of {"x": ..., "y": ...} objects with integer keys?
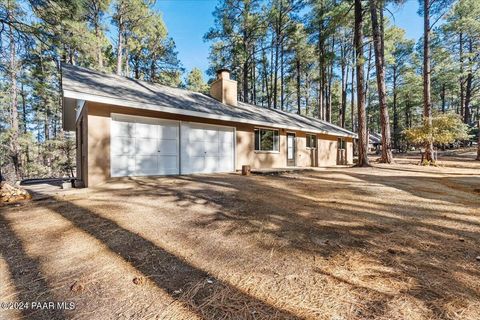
[{"x": 224, "y": 89}]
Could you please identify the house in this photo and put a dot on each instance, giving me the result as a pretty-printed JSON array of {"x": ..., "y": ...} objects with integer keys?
[
  {"x": 374, "y": 142},
  {"x": 127, "y": 127}
]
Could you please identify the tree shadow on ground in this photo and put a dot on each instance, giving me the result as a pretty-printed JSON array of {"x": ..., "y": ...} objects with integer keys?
[
  {"x": 306, "y": 213},
  {"x": 427, "y": 187},
  {"x": 169, "y": 272},
  {"x": 407, "y": 241},
  {"x": 28, "y": 280}
]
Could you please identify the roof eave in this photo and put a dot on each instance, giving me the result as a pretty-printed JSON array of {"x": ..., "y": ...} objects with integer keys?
[{"x": 147, "y": 106}]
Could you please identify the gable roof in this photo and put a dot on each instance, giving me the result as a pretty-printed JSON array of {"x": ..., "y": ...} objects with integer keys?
[
  {"x": 89, "y": 85},
  {"x": 375, "y": 138}
]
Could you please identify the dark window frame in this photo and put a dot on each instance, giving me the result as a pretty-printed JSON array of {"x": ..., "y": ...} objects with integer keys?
[
  {"x": 309, "y": 141},
  {"x": 275, "y": 143},
  {"x": 341, "y": 144}
]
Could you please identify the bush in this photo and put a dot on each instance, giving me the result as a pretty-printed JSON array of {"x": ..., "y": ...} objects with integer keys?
[{"x": 446, "y": 128}]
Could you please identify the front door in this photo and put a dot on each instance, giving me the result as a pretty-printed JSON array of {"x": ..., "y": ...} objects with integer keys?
[{"x": 291, "y": 149}]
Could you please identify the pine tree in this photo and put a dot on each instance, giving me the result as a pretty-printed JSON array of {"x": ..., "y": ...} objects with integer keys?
[
  {"x": 362, "y": 120},
  {"x": 195, "y": 81}
]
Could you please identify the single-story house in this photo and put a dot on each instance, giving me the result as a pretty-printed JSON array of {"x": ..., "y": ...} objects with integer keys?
[
  {"x": 374, "y": 142},
  {"x": 127, "y": 127}
]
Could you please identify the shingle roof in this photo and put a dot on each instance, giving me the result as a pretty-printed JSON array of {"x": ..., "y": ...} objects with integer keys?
[
  {"x": 85, "y": 84},
  {"x": 375, "y": 138}
]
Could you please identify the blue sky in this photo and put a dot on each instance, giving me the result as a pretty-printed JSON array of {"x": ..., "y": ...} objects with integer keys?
[{"x": 188, "y": 20}]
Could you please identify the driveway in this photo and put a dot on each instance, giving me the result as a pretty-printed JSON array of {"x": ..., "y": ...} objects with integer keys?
[{"x": 385, "y": 242}]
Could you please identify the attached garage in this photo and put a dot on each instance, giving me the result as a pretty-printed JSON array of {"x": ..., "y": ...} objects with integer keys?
[{"x": 142, "y": 146}]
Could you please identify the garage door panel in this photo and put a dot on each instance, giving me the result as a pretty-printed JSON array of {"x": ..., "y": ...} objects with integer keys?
[
  {"x": 168, "y": 147},
  {"x": 136, "y": 142},
  {"x": 225, "y": 164},
  {"x": 196, "y": 164},
  {"x": 211, "y": 164},
  {"x": 195, "y": 134},
  {"x": 204, "y": 147},
  {"x": 146, "y": 146},
  {"x": 146, "y": 130},
  {"x": 210, "y": 134},
  {"x": 122, "y": 129},
  {"x": 225, "y": 136},
  {"x": 167, "y": 164},
  {"x": 146, "y": 165},
  {"x": 122, "y": 146},
  {"x": 225, "y": 149},
  {"x": 123, "y": 166},
  {"x": 211, "y": 148},
  {"x": 168, "y": 132},
  {"x": 194, "y": 149}
]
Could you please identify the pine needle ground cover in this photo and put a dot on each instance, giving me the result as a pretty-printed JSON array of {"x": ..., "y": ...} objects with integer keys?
[{"x": 386, "y": 242}]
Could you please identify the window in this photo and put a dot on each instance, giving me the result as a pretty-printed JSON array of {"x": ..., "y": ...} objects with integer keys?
[
  {"x": 341, "y": 143},
  {"x": 266, "y": 140},
  {"x": 311, "y": 141}
]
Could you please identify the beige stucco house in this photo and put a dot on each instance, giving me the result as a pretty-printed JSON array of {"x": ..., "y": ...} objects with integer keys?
[{"x": 127, "y": 127}]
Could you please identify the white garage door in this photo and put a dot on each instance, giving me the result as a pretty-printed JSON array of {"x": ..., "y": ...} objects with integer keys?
[
  {"x": 143, "y": 146},
  {"x": 207, "y": 148}
]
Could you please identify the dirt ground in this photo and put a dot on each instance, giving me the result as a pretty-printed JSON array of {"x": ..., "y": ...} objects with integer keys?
[{"x": 387, "y": 242}]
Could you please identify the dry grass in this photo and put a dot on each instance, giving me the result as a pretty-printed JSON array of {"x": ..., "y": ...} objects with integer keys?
[{"x": 388, "y": 242}]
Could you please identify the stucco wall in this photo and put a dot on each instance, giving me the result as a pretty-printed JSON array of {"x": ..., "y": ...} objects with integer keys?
[
  {"x": 99, "y": 143},
  {"x": 350, "y": 151},
  {"x": 327, "y": 150},
  {"x": 246, "y": 155}
]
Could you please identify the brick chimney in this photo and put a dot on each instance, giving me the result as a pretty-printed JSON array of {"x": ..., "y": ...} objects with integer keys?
[{"x": 224, "y": 89}]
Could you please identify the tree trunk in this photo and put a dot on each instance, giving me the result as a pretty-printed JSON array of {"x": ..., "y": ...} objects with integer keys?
[
  {"x": 367, "y": 82},
  {"x": 468, "y": 89},
  {"x": 275, "y": 74},
  {"x": 265, "y": 78},
  {"x": 396, "y": 134},
  {"x": 329, "y": 88},
  {"x": 343, "y": 107},
  {"x": 478, "y": 141},
  {"x": 254, "y": 76},
  {"x": 120, "y": 46},
  {"x": 152, "y": 70},
  {"x": 14, "y": 144},
  {"x": 352, "y": 94},
  {"x": 462, "y": 82},
  {"x": 245, "y": 81},
  {"x": 136, "y": 67},
  {"x": 24, "y": 109},
  {"x": 307, "y": 95},
  {"x": 282, "y": 89},
  {"x": 362, "y": 125},
  {"x": 98, "y": 40},
  {"x": 270, "y": 82},
  {"x": 127, "y": 57},
  {"x": 321, "y": 71},
  {"x": 341, "y": 115},
  {"x": 299, "y": 111},
  {"x": 387, "y": 156},
  {"x": 443, "y": 98},
  {"x": 427, "y": 103}
]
